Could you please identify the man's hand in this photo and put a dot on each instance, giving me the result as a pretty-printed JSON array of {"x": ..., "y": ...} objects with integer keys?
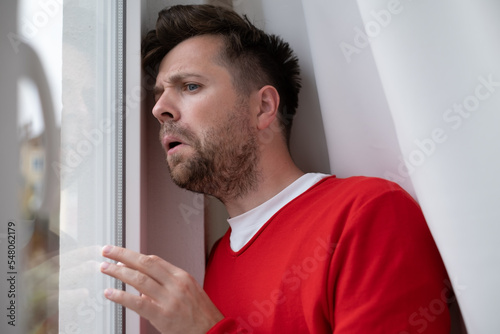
[{"x": 171, "y": 299}]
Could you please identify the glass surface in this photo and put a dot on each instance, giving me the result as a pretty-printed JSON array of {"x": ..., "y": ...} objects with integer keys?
[{"x": 79, "y": 43}]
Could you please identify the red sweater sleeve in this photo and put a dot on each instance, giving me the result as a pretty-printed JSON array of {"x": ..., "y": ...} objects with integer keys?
[{"x": 389, "y": 274}]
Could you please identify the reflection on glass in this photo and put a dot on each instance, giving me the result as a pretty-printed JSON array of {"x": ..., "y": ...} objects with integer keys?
[
  {"x": 40, "y": 26},
  {"x": 62, "y": 284}
]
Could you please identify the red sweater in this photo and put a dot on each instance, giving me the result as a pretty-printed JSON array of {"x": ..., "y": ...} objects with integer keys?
[{"x": 347, "y": 256}]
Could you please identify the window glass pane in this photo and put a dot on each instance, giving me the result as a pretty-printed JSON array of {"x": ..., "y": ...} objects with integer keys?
[
  {"x": 39, "y": 24},
  {"x": 79, "y": 44},
  {"x": 90, "y": 162}
]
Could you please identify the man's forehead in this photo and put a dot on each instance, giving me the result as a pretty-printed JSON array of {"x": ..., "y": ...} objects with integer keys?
[{"x": 192, "y": 57}]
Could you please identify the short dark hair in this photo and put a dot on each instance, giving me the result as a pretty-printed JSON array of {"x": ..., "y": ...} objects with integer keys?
[{"x": 257, "y": 58}]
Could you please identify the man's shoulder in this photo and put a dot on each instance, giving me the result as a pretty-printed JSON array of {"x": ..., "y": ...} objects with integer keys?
[
  {"x": 356, "y": 186},
  {"x": 352, "y": 193}
]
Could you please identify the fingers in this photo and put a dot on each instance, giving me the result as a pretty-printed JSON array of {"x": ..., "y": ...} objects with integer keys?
[
  {"x": 140, "y": 281},
  {"x": 142, "y": 305},
  {"x": 170, "y": 299},
  {"x": 151, "y": 265},
  {"x": 147, "y": 274}
]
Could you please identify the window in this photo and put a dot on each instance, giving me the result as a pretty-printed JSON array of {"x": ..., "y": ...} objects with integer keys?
[{"x": 80, "y": 44}]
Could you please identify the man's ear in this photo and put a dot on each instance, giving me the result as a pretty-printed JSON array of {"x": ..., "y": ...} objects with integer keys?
[{"x": 269, "y": 101}]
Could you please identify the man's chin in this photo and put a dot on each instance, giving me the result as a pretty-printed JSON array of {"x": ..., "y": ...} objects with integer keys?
[
  {"x": 178, "y": 173},
  {"x": 181, "y": 173}
]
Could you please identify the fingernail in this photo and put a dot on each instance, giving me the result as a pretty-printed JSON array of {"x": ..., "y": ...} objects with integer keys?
[
  {"x": 107, "y": 249},
  {"x": 104, "y": 265},
  {"x": 108, "y": 292}
]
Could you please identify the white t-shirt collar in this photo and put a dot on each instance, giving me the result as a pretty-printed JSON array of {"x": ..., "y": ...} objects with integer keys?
[{"x": 246, "y": 225}]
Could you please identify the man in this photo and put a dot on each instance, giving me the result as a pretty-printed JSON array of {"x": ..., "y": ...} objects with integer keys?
[{"x": 305, "y": 253}]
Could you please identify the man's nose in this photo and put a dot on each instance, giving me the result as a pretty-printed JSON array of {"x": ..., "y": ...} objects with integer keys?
[{"x": 165, "y": 109}]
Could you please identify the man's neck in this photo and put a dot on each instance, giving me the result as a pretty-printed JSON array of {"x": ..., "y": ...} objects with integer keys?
[{"x": 275, "y": 176}]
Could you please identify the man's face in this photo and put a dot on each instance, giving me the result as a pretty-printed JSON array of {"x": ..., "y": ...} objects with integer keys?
[{"x": 206, "y": 125}]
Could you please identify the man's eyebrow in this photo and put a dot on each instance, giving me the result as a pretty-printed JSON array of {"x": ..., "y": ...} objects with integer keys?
[
  {"x": 175, "y": 79},
  {"x": 178, "y": 77}
]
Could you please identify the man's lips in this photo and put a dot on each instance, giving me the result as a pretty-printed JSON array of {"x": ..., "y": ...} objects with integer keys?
[{"x": 171, "y": 144}]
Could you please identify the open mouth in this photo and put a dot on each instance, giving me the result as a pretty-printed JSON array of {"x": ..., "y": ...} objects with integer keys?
[{"x": 174, "y": 144}]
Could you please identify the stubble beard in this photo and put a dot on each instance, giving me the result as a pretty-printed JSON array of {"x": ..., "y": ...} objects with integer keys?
[{"x": 225, "y": 165}]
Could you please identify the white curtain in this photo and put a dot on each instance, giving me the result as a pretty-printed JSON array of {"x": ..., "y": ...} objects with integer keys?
[{"x": 414, "y": 88}]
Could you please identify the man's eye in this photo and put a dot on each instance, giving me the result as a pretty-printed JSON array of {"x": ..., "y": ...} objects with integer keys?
[{"x": 192, "y": 87}]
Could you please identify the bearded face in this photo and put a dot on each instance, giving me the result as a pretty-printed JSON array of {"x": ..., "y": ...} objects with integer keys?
[
  {"x": 207, "y": 131},
  {"x": 222, "y": 161}
]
